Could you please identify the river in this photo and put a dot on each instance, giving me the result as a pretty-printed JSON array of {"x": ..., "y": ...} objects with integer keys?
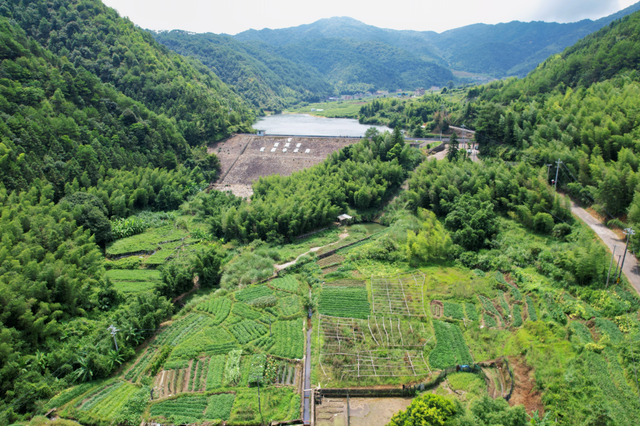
[{"x": 309, "y": 125}]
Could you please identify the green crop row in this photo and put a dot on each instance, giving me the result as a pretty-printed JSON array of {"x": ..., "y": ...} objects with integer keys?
[
  {"x": 517, "y": 316},
  {"x": 471, "y": 312},
  {"x": 489, "y": 321},
  {"x": 245, "y": 311},
  {"x": 488, "y": 306},
  {"x": 134, "y": 286},
  {"x": 264, "y": 302},
  {"x": 111, "y": 406},
  {"x": 218, "y": 307},
  {"x": 453, "y": 310},
  {"x": 147, "y": 241},
  {"x": 553, "y": 311},
  {"x": 180, "y": 329},
  {"x": 531, "y": 310},
  {"x": 192, "y": 375},
  {"x": 610, "y": 329},
  {"x": 133, "y": 275},
  {"x": 98, "y": 393},
  {"x": 290, "y": 306},
  {"x": 275, "y": 402},
  {"x": 68, "y": 395},
  {"x": 344, "y": 302},
  {"x": 140, "y": 367},
  {"x": 289, "y": 339},
  {"x": 451, "y": 348},
  {"x": 248, "y": 294},
  {"x": 580, "y": 332},
  {"x": 266, "y": 343},
  {"x": 503, "y": 304},
  {"x": 208, "y": 341},
  {"x": 219, "y": 406},
  {"x": 176, "y": 364},
  {"x": 515, "y": 292},
  {"x": 232, "y": 368},
  {"x": 216, "y": 371},
  {"x": 609, "y": 384},
  {"x": 183, "y": 410},
  {"x": 247, "y": 330},
  {"x": 287, "y": 283},
  {"x": 256, "y": 370}
]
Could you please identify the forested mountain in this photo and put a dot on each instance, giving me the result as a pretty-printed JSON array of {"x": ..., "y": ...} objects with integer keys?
[
  {"x": 579, "y": 107},
  {"x": 306, "y": 68},
  {"x": 97, "y": 122},
  {"x": 265, "y": 79},
  {"x": 93, "y": 36},
  {"x": 513, "y": 48}
]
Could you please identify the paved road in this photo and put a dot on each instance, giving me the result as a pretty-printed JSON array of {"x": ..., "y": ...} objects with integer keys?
[
  {"x": 306, "y": 392},
  {"x": 631, "y": 268},
  {"x": 443, "y": 154}
]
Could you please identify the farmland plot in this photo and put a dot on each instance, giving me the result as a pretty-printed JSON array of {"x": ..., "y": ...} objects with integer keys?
[
  {"x": 134, "y": 280},
  {"x": 398, "y": 295},
  {"x": 450, "y": 349},
  {"x": 344, "y": 302},
  {"x": 182, "y": 410},
  {"x": 218, "y": 307},
  {"x": 107, "y": 403},
  {"x": 287, "y": 283},
  {"x": 376, "y": 347}
]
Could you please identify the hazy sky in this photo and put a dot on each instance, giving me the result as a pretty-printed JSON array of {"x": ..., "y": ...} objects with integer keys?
[{"x": 234, "y": 16}]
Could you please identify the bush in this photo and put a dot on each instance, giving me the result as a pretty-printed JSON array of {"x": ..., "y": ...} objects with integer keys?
[
  {"x": 561, "y": 230},
  {"x": 543, "y": 222}
]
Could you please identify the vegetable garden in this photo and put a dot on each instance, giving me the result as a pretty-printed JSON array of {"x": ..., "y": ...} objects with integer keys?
[{"x": 399, "y": 295}]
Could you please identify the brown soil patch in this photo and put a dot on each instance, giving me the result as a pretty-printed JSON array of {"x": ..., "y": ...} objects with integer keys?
[
  {"x": 523, "y": 392},
  {"x": 244, "y": 158},
  {"x": 437, "y": 308}
]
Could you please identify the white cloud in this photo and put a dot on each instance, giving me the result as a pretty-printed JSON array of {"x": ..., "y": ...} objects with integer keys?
[
  {"x": 575, "y": 10},
  {"x": 233, "y": 16}
]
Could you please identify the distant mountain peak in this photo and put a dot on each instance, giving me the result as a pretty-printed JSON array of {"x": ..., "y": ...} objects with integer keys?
[{"x": 340, "y": 19}]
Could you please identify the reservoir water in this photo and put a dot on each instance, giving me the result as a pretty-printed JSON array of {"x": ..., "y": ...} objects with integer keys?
[{"x": 309, "y": 125}]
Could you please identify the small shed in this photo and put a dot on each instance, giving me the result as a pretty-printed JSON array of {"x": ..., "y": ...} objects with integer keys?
[
  {"x": 344, "y": 219},
  {"x": 260, "y": 132}
]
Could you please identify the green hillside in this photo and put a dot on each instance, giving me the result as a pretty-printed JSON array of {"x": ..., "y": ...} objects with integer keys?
[
  {"x": 93, "y": 36},
  {"x": 578, "y": 107},
  {"x": 266, "y": 80},
  {"x": 505, "y": 49}
]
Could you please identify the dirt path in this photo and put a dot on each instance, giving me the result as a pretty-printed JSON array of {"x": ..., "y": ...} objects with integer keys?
[
  {"x": 631, "y": 269},
  {"x": 282, "y": 266},
  {"x": 524, "y": 384}
]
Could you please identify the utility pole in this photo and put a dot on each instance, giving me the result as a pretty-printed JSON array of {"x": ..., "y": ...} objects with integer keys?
[
  {"x": 629, "y": 232},
  {"x": 611, "y": 264},
  {"x": 617, "y": 266},
  {"x": 113, "y": 330},
  {"x": 555, "y": 182},
  {"x": 441, "y": 122},
  {"x": 548, "y": 168}
]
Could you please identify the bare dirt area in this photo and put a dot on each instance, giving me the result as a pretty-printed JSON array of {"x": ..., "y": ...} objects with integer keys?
[
  {"x": 244, "y": 191},
  {"x": 245, "y": 158},
  {"x": 362, "y": 411},
  {"x": 523, "y": 392}
]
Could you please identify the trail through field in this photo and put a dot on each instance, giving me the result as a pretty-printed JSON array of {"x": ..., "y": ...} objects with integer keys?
[
  {"x": 342, "y": 236},
  {"x": 631, "y": 268}
]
